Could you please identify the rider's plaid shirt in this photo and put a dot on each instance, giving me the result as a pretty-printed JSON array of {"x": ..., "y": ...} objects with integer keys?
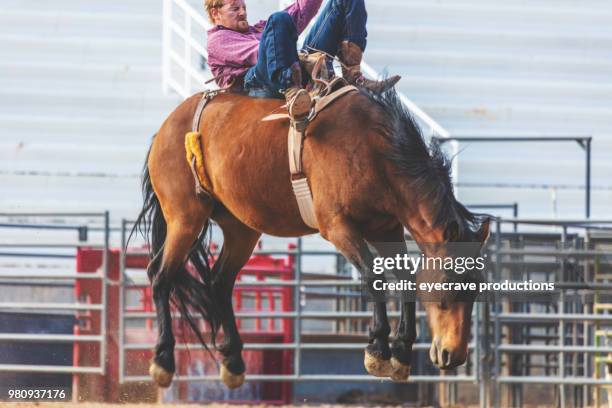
[{"x": 232, "y": 53}]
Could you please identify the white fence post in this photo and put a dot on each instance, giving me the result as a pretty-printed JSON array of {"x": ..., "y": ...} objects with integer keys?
[
  {"x": 181, "y": 62},
  {"x": 187, "y": 55},
  {"x": 166, "y": 45}
]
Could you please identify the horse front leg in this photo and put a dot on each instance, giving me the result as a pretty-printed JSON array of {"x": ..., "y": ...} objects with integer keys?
[
  {"x": 391, "y": 244},
  {"x": 401, "y": 347},
  {"x": 377, "y": 354},
  {"x": 349, "y": 242},
  {"x": 238, "y": 244}
]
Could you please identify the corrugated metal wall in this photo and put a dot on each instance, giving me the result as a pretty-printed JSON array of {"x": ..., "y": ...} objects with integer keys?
[
  {"x": 520, "y": 68},
  {"x": 81, "y": 95}
]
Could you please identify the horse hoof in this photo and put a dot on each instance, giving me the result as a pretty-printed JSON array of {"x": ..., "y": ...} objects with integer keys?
[
  {"x": 161, "y": 377},
  {"x": 400, "y": 372},
  {"x": 377, "y": 366},
  {"x": 231, "y": 380}
]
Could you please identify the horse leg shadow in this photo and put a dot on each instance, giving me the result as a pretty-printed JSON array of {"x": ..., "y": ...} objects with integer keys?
[
  {"x": 238, "y": 244},
  {"x": 347, "y": 239}
]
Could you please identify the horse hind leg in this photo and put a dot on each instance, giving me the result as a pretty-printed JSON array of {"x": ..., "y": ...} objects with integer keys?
[
  {"x": 181, "y": 235},
  {"x": 238, "y": 243}
]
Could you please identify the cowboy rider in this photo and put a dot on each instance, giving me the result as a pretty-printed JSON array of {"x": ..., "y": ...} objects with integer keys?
[{"x": 263, "y": 58}]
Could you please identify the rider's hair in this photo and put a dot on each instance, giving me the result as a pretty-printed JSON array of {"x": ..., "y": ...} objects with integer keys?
[{"x": 211, "y": 4}]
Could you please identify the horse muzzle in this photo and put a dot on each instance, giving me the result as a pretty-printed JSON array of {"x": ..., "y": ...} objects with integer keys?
[{"x": 444, "y": 357}]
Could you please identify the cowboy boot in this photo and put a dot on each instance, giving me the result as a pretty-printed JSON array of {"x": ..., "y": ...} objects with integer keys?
[
  {"x": 314, "y": 64},
  {"x": 298, "y": 99},
  {"x": 350, "y": 54}
]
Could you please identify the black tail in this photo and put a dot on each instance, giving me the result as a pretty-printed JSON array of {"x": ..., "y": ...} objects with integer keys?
[{"x": 192, "y": 294}]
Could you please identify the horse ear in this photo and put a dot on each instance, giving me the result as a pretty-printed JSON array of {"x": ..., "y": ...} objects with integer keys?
[{"x": 484, "y": 231}]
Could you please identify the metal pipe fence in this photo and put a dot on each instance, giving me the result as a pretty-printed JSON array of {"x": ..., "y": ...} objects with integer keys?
[
  {"x": 571, "y": 353},
  {"x": 30, "y": 251},
  {"x": 552, "y": 343},
  {"x": 491, "y": 349},
  {"x": 297, "y": 316},
  {"x": 585, "y": 142}
]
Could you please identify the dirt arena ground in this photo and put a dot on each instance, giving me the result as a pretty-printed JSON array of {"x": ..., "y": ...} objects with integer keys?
[{"x": 102, "y": 405}]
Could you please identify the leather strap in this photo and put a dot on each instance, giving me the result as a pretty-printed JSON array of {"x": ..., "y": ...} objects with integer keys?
[
  {"x": 320, "y": 104},
  {"x": 275, "y": 116},
  {"x": 199, "y": 188},
  {"x": 303, "y": 195},
  {"x": 295, "y": 144},
  {"x": 201, "y": 191},
  {"x": 325, "y": 101},
  {"x": 197, "y": 116},
  {"x": 299, "y": 182}
]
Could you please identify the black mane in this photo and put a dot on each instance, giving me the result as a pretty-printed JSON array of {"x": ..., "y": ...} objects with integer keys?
[{"x": 426, "y": 167}]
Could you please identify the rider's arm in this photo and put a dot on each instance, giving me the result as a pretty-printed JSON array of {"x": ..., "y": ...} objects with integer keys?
[
  {"x": 230, "y": 49},
  {"x": 302, "y": 11}
]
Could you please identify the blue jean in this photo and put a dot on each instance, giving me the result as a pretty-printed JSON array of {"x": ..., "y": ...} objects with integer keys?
[{"x": 340, "y": 20}]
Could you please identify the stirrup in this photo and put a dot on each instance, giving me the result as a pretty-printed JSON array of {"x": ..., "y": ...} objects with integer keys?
[{"x": 299, "y": 105}]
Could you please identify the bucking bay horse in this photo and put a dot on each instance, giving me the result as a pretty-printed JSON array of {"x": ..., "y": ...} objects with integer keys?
[{"x": 371, "y": 174}]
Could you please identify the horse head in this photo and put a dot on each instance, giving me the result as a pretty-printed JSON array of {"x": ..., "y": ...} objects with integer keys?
[
  {"x": 420, "y": 176},
  {"x": 449, "y": 311}
]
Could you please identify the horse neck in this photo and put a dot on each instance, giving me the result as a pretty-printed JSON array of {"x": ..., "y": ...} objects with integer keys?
[{"x": 417, "y": 216}]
